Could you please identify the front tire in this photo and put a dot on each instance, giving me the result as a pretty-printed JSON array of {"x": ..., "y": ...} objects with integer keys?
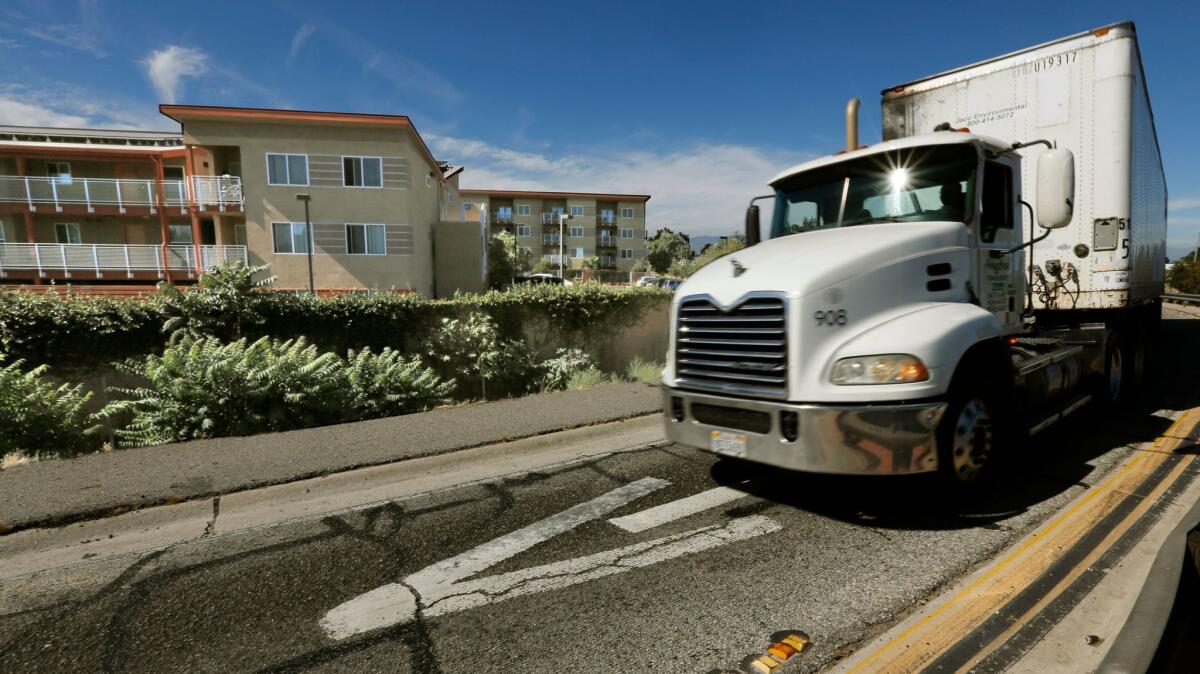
[{"x": 971, "y": 434}]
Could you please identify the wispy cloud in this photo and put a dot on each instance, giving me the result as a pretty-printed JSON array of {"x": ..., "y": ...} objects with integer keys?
[
  {"x": 167, "y": 68},
  {"x": 21, "y": 113},
  {"x": 304, "y": 32},
  {"x": 1183, "y": 204},
  {"x": 64, "y": 105},
  {"x": 702, "y": 189},
  {"x": 81, "y": 35}
]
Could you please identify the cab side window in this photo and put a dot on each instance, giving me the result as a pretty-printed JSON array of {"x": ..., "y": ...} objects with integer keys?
[{"x": 997, "y": 201}]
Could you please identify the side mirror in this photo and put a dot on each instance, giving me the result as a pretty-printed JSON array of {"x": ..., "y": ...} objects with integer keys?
[
  {"x": 1055, "y": 188},
  {"x": 753, "y": 233}
]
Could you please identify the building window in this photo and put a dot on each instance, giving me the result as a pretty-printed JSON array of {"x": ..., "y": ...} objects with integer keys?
[
  {"x": 289, "y": 237},
  {"x": 287, "y": 169},
  {"x": 627, "y": 213},
  {"x": 577, "y": 211},
  {"x": 627, "y": 233},
  {"x": 362, "y": 171},
  {"x": 576, "y": 231},
  {"x": 504, "y": 213},
  {"x": 524, "y": 249},
  {"x": 366, "y": 240},
  {"x": 627, "y": 254},
  {"x": 577, "y": 253},
  {"x": 172, "y": 173},
  {"x": 524, "y": 209},
  {"x": 60, "y": 170},
  {"x": 524, "y": 230},
  {"x": 67, "y": 232},
  {"x": 179, "y": 233}
]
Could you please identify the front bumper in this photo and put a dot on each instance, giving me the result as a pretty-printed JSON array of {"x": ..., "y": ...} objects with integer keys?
[{"x": 885, "y": 439}]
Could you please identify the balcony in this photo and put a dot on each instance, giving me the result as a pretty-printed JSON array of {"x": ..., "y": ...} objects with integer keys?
[
  {"x": 210, "y": 192},
  {"x": 552, "y": 239},
  {"x": 101, "y": 260},
  {"x": 606, "y": 221},
  {"x": 552, "y": 218},
  {"x": 606, "y": 241},
  {"x": 607, "y": 262}
]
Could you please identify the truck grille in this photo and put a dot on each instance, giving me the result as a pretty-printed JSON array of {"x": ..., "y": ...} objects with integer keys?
[{"x": 742, "y": 349}]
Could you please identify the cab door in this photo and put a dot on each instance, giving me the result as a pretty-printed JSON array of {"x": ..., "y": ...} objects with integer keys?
[{"x": 999, "y": 275}]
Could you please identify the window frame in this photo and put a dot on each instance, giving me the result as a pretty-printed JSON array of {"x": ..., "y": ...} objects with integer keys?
[
  {"x": 292, "y": 239},
  {"x": 631, "y": 211},
  {"x": 524, "y": 230},
  {"x": 572, "y": 211},
  {"x": 627, "y": 254},
  {"x": 60, "y": 173},
  {"x": 172, "y": 241},
  {"x": 366, "y": 239},
  {"x": 629, "y": 230},
  {"x": 1009, "y": 215},
  {"x": 578, "y": 249},
  {"x": 288, "y": 167},
  {"x": 361, "y": 171},
  {"x": 572, "y": 229},
  {"x": 524, "y": 209},
  {"x": 68, "y": 229}
]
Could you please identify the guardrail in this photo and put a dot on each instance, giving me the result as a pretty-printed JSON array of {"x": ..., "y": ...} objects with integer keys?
[
  {"x": 1182, "y": 298},
  {"x": 99, "y": 258}
]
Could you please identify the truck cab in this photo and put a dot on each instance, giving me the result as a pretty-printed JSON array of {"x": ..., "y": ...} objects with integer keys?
[{"x": 883, "y": 298}]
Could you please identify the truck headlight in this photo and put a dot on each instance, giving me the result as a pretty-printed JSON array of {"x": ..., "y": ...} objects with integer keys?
[{"x": 889, "y": 368}]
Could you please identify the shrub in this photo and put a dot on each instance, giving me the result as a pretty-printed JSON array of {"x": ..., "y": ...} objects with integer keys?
[
  {"x": 647, "y": 372},
  {"x": 75, "y": 331},
  {"x": 204, "y": 388},
  {"x": 472, "y": 352},
  {"x": 506, "y": 260},
  {"x": 566, "y": 363},
  {"x": 221, "y": 304},
  {"x": 39, "y": 419},
  {"x": 587, "y": 379},
  {"x": 386, "y": 384}
]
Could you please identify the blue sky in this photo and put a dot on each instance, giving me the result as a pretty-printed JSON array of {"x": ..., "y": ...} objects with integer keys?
[{"x": 697, "y": 103}]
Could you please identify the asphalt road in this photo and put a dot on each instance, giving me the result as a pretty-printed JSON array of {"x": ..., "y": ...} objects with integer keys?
[{"x": 530, "y": 574}]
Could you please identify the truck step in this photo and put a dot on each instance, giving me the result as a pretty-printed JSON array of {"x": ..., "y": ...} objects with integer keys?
[{"x": 1072, "y": 406}]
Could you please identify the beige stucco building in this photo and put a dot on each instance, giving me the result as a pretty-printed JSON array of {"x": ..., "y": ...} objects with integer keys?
[
  {"x": 608, "y": 227},
  {"x": 110, "y": 209}
]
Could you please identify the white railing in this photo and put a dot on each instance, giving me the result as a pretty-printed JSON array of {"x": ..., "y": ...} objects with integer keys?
[
  {"x": 100, "y": 258},
  {"x": 220, "y": 191},
  {"x": 552, "y": 218},
  {"x": 551, "y": 238},
  {"x": 607, "y": 240},
  {"x": 121, "y": 193}
]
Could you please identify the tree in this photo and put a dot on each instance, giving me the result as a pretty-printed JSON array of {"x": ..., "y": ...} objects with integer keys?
[
  {"x": 591, "y": 263},
  {"x": 505, "y": 260},
  {"x": 642, "y": 265},
  {"x": 666, "y": 247},
  {"x": 711, "y": 252},
  {"x": 544, "y": 265},
  {"x": 1184, "y": 276}
]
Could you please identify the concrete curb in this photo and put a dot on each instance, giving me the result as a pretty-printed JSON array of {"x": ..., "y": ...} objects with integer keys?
[{"x": 51, "y": 493}]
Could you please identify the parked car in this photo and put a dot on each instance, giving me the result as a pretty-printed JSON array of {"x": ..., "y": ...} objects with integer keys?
[
  {"x": 670, "y": 284},
  {"x": 546, "y": 278},
  {"x": 648, "y": 282}
]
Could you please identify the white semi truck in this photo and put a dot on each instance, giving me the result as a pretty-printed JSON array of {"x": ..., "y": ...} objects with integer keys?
[{"x": 992, "y": 266}]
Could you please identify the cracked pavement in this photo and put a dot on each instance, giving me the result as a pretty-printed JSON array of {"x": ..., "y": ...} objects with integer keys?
[{"x": 849, "y": 559}]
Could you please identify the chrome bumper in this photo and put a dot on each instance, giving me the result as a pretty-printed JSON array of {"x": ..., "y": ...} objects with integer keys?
[{"x": 885, "y": 439}]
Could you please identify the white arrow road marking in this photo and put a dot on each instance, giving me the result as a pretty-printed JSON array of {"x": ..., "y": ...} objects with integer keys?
[
  {"x": 442, "y": 587},
  {"x": 669, "y": 512}
]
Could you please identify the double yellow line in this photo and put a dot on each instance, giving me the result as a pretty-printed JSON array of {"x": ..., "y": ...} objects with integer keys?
[{"x": 945, "y": 626}]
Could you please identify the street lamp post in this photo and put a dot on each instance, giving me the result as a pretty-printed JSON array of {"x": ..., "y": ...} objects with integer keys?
[{"x": 308, "y": 244}]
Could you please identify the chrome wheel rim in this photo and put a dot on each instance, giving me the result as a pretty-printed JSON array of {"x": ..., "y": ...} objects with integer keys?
[
  {"x": 1114, "y": 374},
  {"x": 972, "y": 440}
]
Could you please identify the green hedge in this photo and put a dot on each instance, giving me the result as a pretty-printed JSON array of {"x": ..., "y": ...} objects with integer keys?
[{"x": 81, "y": 332}]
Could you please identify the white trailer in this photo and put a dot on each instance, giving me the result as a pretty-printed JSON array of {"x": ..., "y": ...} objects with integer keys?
[
  {"x": 894, "y": 319},
  {"x": 1086, "y": 93}
]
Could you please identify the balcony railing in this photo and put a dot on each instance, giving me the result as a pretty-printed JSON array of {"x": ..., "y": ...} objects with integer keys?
[
  {"x": 551, "y": 239},
  {"x": 606, "y": 220},
  {"x": 101, "y": 258},
  {"x": 210, "y": 192},
  {"x": 608, "y": 241},
  {"x": 552, "y": 218}
]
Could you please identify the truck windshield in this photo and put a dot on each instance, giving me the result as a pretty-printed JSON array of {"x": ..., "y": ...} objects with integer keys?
[{"x": 919, "y": 184}]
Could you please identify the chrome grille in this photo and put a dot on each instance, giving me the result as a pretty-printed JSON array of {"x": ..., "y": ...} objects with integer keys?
[{"x": 742, "y": 349}]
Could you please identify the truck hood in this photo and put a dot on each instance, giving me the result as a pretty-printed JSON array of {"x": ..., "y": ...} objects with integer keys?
[{"x": 801, "y": 264}]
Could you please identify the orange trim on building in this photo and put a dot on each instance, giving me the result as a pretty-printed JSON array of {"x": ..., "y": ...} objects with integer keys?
[
  {"x": 179, "y": 113},
  {"x": 595, "y": 195}
]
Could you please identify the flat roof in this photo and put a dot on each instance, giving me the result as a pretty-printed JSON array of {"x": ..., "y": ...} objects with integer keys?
[
  {"x": 590, "y": 195},
  {"x": 180, "y": 113},
  {"x": 103, "y": 137}
]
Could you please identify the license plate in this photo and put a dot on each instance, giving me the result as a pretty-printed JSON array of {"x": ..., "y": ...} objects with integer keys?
[{"x": 729, "y": 444}]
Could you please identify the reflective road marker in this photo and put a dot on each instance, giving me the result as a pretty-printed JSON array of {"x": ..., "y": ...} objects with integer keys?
[
  {"x": 443, "y": 587},
  {"x": 669, "y": 512}
]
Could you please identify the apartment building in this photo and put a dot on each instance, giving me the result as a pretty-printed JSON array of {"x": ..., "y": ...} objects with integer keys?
[
  {"x": 103, "y": 208},
  {"x": 577, "y": 225}
]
